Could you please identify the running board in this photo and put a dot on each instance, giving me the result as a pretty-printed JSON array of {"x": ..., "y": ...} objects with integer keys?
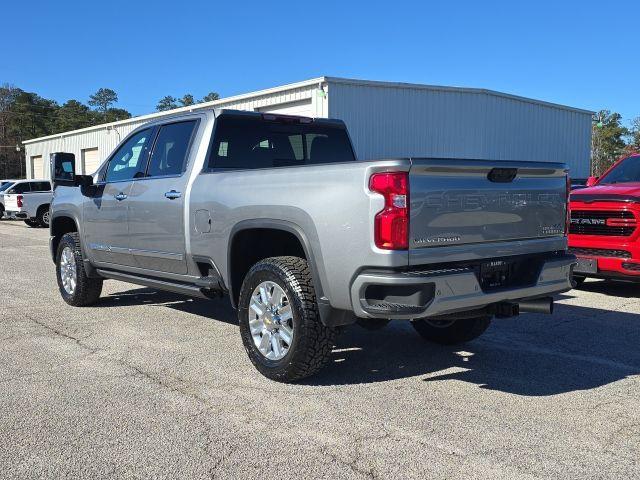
[{"x": 185, "y": 289}]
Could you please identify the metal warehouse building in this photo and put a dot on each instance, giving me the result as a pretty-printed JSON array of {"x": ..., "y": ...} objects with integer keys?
[{"x": 384, "y": 120}]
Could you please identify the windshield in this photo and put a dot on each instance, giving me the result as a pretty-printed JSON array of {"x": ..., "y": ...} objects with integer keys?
[
  {"x": 5, "y": 186},
  {"x": 627, "y": 171}
]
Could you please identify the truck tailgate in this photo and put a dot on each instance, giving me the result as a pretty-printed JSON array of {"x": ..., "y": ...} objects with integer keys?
[
  {"x": 11, "y": 202},
  {"x": 463, "y": 202}
]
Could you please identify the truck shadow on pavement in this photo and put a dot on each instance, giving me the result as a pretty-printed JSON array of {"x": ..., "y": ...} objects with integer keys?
[{"x": 578, "y": 348}]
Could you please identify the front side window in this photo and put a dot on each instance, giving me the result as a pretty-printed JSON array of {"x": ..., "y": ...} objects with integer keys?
[
  {"x": 253, "y": 142},
  {"x": 171, "y": 148},
  {"x": 627, "y": 171},
  {"x": 130, "y": 160}
]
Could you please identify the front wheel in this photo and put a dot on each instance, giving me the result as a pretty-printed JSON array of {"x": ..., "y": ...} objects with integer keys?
[
  {"x": 451, "y": 332},
  {"x": 279, "y": 320},
  {"x": 75, "y": 286}
]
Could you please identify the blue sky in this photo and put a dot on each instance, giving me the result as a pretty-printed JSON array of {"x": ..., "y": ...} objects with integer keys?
[{"x": 582, "y": 53}]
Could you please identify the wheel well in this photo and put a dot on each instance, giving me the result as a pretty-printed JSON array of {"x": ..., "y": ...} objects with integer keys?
[
  {"x": 60, "y": 226},
  {"x": 252, "y": 245},
  {"x": 42, "y": 207}
]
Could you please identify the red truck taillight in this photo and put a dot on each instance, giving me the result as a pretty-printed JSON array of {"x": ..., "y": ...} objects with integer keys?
[
  {"x": 391, "y": 230},
  {"x": 19, "y": 200}
]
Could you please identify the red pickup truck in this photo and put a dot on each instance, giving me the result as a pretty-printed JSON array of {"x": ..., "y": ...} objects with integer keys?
[{"x": 604, "y": 232}]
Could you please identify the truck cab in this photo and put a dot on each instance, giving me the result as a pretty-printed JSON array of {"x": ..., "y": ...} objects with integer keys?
[{"x": 604, "y": 232}]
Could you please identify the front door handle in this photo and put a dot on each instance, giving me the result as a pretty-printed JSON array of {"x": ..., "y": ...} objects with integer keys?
[
  {"x": 172, "y": 195},
  {"x": 121, "y": 196}
]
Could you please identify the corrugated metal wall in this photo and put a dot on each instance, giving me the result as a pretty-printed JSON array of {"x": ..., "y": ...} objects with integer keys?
[
  {"x": 107, "y": 138},
  {"x": 388, "y": 121}
]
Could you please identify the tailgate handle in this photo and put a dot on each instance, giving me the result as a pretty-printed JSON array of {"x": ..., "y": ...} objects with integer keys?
[{"x": 502, "y": 175}]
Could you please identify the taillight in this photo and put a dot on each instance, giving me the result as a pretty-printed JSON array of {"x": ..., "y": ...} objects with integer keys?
[
  {"x": 19, "y": 200},
  {"x": 391, "y": 230}
]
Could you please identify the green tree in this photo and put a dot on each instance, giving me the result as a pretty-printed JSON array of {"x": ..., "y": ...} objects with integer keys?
[
  {"x": 209, "y": 97},
  {"x": 115, "y": 114},
  {"x": 634, "y": 136},
  {"x": 187, "y": 100},
  {"x": 103, "y": 99},
  {"x": 166, "y": 103},
  {"x": 607, "y": 143},
  {"x": 73, "y": 115}
]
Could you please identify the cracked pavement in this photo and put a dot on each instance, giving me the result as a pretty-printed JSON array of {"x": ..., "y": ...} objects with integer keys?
[{"x": 154, "y": 385}]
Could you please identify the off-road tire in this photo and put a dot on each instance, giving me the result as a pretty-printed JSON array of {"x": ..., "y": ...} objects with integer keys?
[
  {"x": 40, "y": 216},
  {"x": 32, "y": 223},
  {"x": 312, "y": 341},
  {"x": 459, "y": 331},
  {"x": 87, "y": 291}
]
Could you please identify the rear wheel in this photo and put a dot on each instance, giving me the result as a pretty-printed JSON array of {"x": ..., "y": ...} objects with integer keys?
[
  {"x": 43, "y": 216},
  {"x": 451, "y": 332},
  {"x": 279, "y": 320},
  {"x": 75, "y": 286},
  {"x": 1, "y": 211},
  {"x": 33, "y": 223}
]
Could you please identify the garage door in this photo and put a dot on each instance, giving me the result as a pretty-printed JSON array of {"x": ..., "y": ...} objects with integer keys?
[
  {"x": 90, "y": 161},
  {"x": 302, "y": 108},
  {"x": 37, "y": 167}
]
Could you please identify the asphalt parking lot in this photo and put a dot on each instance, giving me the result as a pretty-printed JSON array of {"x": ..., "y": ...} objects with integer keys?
[{"x": 154, "y": 385}]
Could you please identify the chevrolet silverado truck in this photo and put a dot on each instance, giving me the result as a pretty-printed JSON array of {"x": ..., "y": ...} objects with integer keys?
[
  {"x": 277, "y": 212},
  {"x": 29, "y": 200},
  {"x": 604, "y": 232}
]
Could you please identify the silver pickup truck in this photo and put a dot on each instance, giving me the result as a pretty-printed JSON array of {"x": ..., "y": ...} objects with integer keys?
[{"x": 276, "y": 212}]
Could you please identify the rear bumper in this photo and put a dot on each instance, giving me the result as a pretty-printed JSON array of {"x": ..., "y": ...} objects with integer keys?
[{"x": 410, "y": 295}]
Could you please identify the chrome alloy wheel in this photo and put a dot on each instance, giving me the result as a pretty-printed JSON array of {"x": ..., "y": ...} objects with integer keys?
[
  {"x": 271, "y": 320},
  {"x": 45, "y": 217},
  {"x": 68, "y": 273}
]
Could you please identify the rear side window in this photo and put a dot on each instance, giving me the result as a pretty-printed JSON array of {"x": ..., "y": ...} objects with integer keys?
[
  {"x": 252, "y": 142},
  {"x": 171, "y": 149},
  {"x": 40, "y": 186},
  {"x": 20, "y": 188}
]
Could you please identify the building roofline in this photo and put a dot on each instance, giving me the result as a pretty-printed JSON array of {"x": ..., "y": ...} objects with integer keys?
[
  {"x": 190, "y": 108},
  {"x": 302, "y": 84},
  {"x": 421, "y": 86}
]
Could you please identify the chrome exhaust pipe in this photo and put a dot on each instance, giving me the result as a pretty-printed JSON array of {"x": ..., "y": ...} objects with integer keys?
[{"x": 538, "y": 305}]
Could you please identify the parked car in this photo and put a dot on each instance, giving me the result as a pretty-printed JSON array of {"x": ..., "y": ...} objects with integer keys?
[
  {"x": 4, "y": 185},
  {"x": 604, "y": 230},
  {"x": 276, "y": 212},
  {"x": 29, "y": 200}
]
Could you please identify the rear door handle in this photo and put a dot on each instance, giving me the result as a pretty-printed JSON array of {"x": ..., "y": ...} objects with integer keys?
[
  {"x": 172, "y": 195},
  {"x": 121, "y": 196}
]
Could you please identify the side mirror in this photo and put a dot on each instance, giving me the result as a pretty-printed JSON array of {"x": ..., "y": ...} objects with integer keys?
[
  {"x": 591, "y": 181},
  {"x": 63, "y": 171}
]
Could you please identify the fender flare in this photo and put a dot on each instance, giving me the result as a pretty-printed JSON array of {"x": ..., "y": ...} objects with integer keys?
[{"x": 314, "y": 257}]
